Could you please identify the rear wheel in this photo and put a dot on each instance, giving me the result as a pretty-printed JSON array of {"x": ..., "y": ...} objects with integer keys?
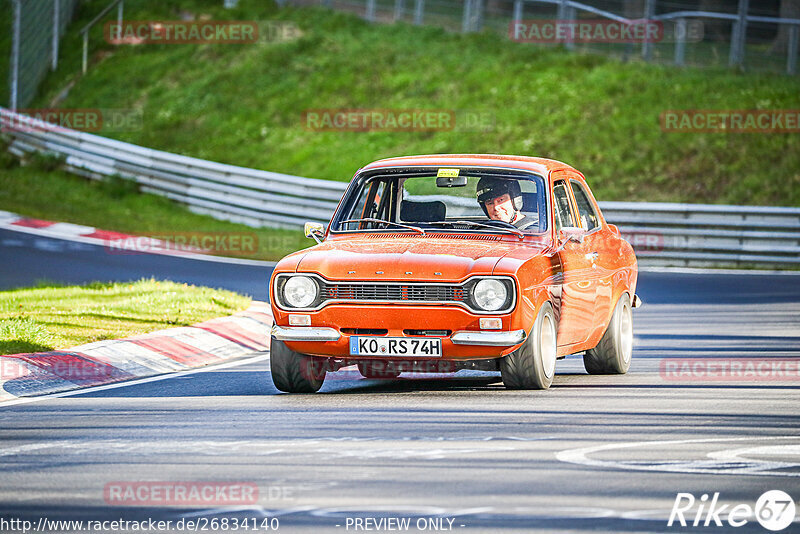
[
  {"x": 294, "y": 372},
  {"x": 533, "y": 365},
  {"x": 612, "y": 356},
  {"x": 380, "y": 370}
]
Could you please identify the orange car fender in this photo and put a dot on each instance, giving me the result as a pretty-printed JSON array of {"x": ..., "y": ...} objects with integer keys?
[{"x": 536, "y": 282}]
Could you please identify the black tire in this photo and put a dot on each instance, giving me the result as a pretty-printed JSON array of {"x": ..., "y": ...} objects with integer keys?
[
  {"x": 293, "y": 372},
  {"x": 383, "y": 370},
  {"x": 532, "y": 366},
  {"x": 612, "y": 356}
]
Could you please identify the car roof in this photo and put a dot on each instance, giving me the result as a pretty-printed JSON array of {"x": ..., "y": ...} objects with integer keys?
[{"x": 538, "y": 165}]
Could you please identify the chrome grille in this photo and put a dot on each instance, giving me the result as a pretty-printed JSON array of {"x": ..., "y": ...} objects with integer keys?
[{"x": 393, "y": 292}]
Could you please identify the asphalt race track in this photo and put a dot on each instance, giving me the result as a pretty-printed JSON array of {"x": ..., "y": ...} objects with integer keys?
[{"x": 456, "y": 453}]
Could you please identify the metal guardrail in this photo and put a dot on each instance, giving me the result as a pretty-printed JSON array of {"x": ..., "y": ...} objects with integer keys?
[
  {"x": 661, "y": 233},
  {"x": 239, "y": 194}
]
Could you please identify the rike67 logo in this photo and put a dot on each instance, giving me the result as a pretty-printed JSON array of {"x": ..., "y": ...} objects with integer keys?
[{"x": 774, "y": 510}]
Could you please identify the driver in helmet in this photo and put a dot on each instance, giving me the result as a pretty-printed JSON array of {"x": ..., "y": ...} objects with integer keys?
[{"x": 501, "y": 200}]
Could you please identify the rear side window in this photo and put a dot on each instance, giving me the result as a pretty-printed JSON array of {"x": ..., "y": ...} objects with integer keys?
[
  {"x": 586, "y": 211},
  {"x": 562, "y": 210}
]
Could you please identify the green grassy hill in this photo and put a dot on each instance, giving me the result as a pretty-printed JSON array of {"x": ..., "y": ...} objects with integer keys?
[{"x": 243, "y": 104}]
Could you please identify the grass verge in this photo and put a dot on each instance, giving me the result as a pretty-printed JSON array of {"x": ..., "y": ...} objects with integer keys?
[{"x": 52, "y": 316}]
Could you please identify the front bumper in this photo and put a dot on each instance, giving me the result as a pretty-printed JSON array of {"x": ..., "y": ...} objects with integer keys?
[
  {"x": 480, "y": 339},
  {"x": 489, "y": 339},
  {"x": 304, "y": 333},
  {"x": 331, "y": 328}
]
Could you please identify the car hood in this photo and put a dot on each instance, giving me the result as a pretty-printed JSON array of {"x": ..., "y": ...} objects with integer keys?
[{"x": 419, "y": 258}]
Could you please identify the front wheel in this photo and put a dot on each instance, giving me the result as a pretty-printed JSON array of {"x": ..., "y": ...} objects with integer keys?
[
  {"x": 533, "y": 365},
  {"x": 612, "y": 356},
  {"x": 293, "y": 372}
]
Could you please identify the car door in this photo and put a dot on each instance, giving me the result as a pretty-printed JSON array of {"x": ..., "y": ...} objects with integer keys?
[
  {"x": 603, "y": 257},
  {"x": 578, "y": 288}
]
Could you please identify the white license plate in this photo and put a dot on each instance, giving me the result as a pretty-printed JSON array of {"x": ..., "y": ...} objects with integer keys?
[{"x": 396, "y": 346}]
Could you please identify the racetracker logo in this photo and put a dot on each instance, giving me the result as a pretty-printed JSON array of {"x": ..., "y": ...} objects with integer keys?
[
  {"x": 645, "y": 242},
  {"x": 731, "y": 121},
  {"x": 85, "y": 120},
  {"x": 240, "y": 243},
  {"x": 585, "y": 31},
  {"x": 397, "y": 120},
  {"x": 180, "y": 493},
  {"x": 56, "y": 366},
  {"x": 730, "y": 369},
  {"x": 774, "y": 510},
  {"x": 181, "y": 32}
]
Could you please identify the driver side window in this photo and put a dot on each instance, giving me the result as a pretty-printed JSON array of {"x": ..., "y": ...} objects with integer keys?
[{"x": 563, "y": 212}]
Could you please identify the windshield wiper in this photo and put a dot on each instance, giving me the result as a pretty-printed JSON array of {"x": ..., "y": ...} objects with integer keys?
[
  {"x": 514, "y": 231},
  {"x": 373, "y": 220}
]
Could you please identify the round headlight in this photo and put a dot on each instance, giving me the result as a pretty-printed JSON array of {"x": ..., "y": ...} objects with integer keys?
[
  {"x": 299, "y": 292},
  {"x": 490, "y": 294}
]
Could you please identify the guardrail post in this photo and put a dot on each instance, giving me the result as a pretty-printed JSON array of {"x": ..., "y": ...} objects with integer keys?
[
  {"x": 399, "y": 7},
  {"x": 791, "y": 56},
  {"x": 649, "y": 14},
  {"x": 517, "y": 10},
  {"x": 56, "y": 17},
  {"x": 680, "y": 41},
  {"x": 14, "y": 78},
  {"x": 477, "y": 15},
  {"x": 562, "y": 10},
  {"x": 569, "y": 12},
  {"x": 419, "y": 9},
  {"x": 466, "y": 17},
  {"x": 370, "y": 14},
  {"x": 739, "y": 35}
]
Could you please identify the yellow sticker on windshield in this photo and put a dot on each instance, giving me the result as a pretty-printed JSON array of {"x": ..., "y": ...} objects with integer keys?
[{"x": 447, "y": 173}]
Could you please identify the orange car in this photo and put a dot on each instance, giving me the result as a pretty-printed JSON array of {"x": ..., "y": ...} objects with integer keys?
[{"x": 448, "y": 262}]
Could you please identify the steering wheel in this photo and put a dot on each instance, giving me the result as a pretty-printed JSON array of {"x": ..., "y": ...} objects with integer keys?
[{"x": 497, "y": 222}]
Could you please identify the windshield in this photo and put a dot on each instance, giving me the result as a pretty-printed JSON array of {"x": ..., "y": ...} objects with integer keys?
[{"x": 489, "y": 201}]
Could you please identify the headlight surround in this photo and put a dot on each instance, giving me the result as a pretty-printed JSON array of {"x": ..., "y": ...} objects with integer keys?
[
  {"x": 299, "y": 292},
  {"x": 490, "y": 294}
]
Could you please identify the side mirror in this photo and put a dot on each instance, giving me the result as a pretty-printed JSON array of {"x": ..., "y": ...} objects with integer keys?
[
  {"x": 314, "y": 230},
  {"x": 569, "y": 233},
  {"x": 572, "y": 233}
]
